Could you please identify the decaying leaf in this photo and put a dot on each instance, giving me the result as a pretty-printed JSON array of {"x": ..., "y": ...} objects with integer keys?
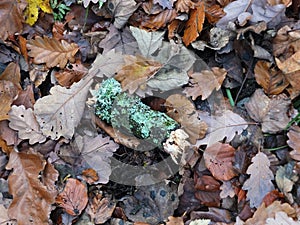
[
  {"x": 259, "y": 183},
  {"x": 294, "y": 142},
  {"x": 273, "y": 81},
  {"x": 195, "y": 24},
  {"x": 151, "y": 204},
  {"x": 270, "y": 112},
  {"x": 281, "y": 218},
  {"x": 136, "y": 71},
  {"x": 8, "y": 93},
  {"x": 12, "y": 73},
  {"x": 60, "y": 112},
  {"x": 32, "y": 10},
  {"x": 51, "y": 51},
  {"x": 24, "y": 121},
  {"x": 183, "y": 111},
  {"x": 227, "y": 125},
  {"x": 10, "y": 18},
  {"x": 74, "y": 197},
  {"x": 32, "y": 198},
  {"x": 263, "y": 213},
  {"x": 205, "y": 82},
  {"x": 218, "y": 159}
]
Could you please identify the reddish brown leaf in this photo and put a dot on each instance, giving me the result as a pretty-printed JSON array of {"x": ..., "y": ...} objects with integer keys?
[
  {"x": 51, "y": 51},
  {"x": 218, "y": 159},
  {"x": 294, "y": 142},
  {"x": 23, "y": 49},
  {"x": 272, "y": 196},
  {"x": 90, "y": 176},
  {"x": 213, "y": 13},
  {"x": 74, "y": 197},
  {"x": 194, "y": 25}
]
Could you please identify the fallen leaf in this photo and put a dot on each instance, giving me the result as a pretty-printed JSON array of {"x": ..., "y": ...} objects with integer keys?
[
  {"x": 10, "y": 17},
  {"x": 272, "y": 80},
  {"x": 8, "y": 92},
  {"x": 214, "y": 13},
  {"x": 74, "y": 197},
  {"x": 263, "y": 213},
  {"x": 184, "y": 5},
  {"x": 165, "y": 3},
  {"x": 200, "y": 222},
  {"x": 290, "y": 65},
  {"x": 227, "y": 190},
  {"x": 215, "y": 214},
  {"x": 90, "y": 176},
  {"x": 259, "y": 183},
  {"x": 51, "y": 51},
  {"x": 293, "y": 142},
  {"x": 26, "y": 97},
  {"x": 227, "y": 125},
  {"x": 38, "y": 74},
  {"x": 4, "y": 219},
  {"x": 175, "y": 221},
  {"x": 136, "y": 71},
  {"x": 32, "y": 10},
  {"x": 281, "y": 218},
  {"x": 24, "y": 121},
  {"x": 12, "y": 73},
  {"x": 270, "y": 112},
  {"x": 121, "y": 11},
  {"x": 148, "y": 42},
  {"x": 87, "y": 2},
  {"x": 205, "y": 82},
  {"x": 183, "y": 111},
  {"x": 218, "y": 159},
  {"x": 151, "y": 204},
  {"x": 195, "y": 24},
  {"x": 32, "y": 198}
]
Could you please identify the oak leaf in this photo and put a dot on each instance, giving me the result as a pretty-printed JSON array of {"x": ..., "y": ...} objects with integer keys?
[
  {"x": 218, "y": 159},
  {"x": 294, "y": 142},
  {"x": 24, "y": 121},
  {"x": 259, "y": 183},
  {"x": 270, "y": 112},
  {"x": 281, "y": 218},
  {"x": 32, "y": 10},
  {"x": 32, "y": 197},
  {"x": 60, "y": 112},
  {"x": 205, "y": 82},
  {"x": 184, "y": 5},
  {"x": 272, "y": 80},
  {"x": 10, "y": 18},
  {"x": 74, "y": 197},
  {"x": 51, "y": 51},
  {"x": 195, "y": 24}
]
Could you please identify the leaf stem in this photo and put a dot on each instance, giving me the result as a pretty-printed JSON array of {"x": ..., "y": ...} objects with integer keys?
[
  {"x": 228, "y": 92},
  {"x": 277, "y": 148}
]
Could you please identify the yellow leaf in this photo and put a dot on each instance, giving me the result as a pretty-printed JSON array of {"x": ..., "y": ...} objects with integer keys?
[{"x": 32, "y": 10}]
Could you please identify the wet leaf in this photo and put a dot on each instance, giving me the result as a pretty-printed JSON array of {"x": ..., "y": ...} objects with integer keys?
[
  {"x": 218, "y": 159},
  {"x": 24, "y": 121},
  {"x": 60, "y": 112},
  {"x": 74, "y": 197},
  {"x": 205, "y": 82},
  {"x": 51, "y": 51},
  {"x": 270, "y": 112},
  {"x": 273, "y": 81},
  {"x": 259, "y": 183},
  {"x": 32, "y": 198},
  {"x": 294, "y": 142},
  {"x": 195, "y": 24}
]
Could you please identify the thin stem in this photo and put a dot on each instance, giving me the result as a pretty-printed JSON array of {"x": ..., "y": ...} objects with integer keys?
[{"x": 228, "y": 92}]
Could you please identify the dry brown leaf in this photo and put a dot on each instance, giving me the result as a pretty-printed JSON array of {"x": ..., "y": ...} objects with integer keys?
[
  {"x": 218, "y": 159},
  {"x": 8, "y": 92},
  {"x": 26, "y": 97},
  {"x": 263, "y": 213},
  {"x": 214, "y": 13},
  {"x": 51, "y": 51},
  {"x": 259, "y": 183},
  {"x": 24, "y": 121},
  {"x": 32, "y": 197},
  {"x": 74, "y": 197},
  {"x": 272, "y": 80},
  {"x": 227, "y": 190},
  {"x": 294, "y": 142},
  {"x": 136, "y": 72},
  {"x": 290, "y": 65},
  {"x": 38, "y": 74},
  {"x": 195, "y": 24},
  {"x": 4, "y": 147},
  {"x": 205, "y": 82},
  {"x": 183, "y": 111},
  {"x": 294, "y": 80},
  {"x": 175, "y": 221},
  {"x": 90, "y": 176},
  {"x": 10, "y": 18},
  {"x": 184, "y": 5},
  {"x": 270, "y": 112},
  {"x": 12, "y": 73},
  {"x": 7, "y": 134}
]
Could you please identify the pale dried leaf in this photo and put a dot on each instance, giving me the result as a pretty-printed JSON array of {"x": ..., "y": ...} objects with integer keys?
[
  {"x": 87, "y": 2},
  {"x": 259, "y": 183},
  {"x": 270, "y": 112},
  {"x": 51, "y": 51},
  {"x": 200, "y": 222},
  {"x": 218, "y": 159},
  {"x": 24, "y": 121},
  {"x": 227, "y": 190},
  {"x": 184, "y": 5},
  {"x": 38, "y": 74},
  {"x": 205, "y": 82},
  {"x": 31, "y": 197},
  {"x": 165, "y": 3},
  {"x": 294, "y": 142},
  {"x": 281, "y": 218},
  {"x": 290, "y": 65},
  {"x": 60, "y": 112},
  {"x": 227, "y": 125}
]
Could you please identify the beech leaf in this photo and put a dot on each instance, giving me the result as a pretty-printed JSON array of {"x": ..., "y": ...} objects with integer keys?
[
  {"x": 24, "y": 121},
  {"x": 32, "y": 198},
  {"x": 8, "y": 92},
  {"x": 51, "y": 51},
  {"x": 60, "y": 112},
  {"x": 259, "y": 183},
  {"x": 218, "y": 159},
  {"x": 294, "y": 142},
  {"x": 271, "y": 112},
  {"x": 205, "y": 82}
]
